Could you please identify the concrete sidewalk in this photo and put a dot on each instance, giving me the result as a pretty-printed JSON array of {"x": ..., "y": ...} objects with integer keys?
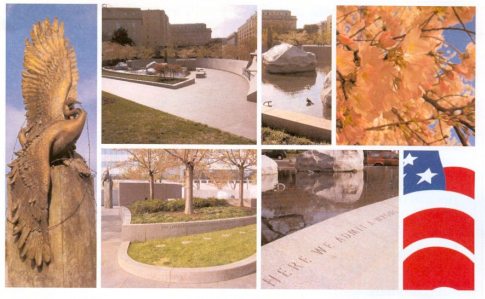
[
  {"x": 112, "y": 276},
  {"x": 218, "y": 101}
]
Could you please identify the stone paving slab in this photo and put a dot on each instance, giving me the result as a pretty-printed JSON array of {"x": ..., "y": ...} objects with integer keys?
[
  {"x": 113, "y": 276},
  {"x": 219, "y": 101},
  {"x": 355, "y": 250}
]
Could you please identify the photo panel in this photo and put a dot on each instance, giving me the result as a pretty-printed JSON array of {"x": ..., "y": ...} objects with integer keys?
[
  {"x": 438, "y": 212},
  {"x": 179, "y": 218},
  {"x": 176, "y": 74},
  {"x": 329, "y": 219},
  {"x": 51, "y": 145},
  {"x": 296, "y": 74},
  {"x": 406, "y": 75}
]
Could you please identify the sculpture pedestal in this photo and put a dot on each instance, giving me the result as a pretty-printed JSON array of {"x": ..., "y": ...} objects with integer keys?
[
  {"x": 108, "y": 195},
  {"x": 72, "y": 230}
]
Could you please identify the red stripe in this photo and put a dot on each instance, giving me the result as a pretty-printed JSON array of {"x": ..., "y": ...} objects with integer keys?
[
  {"x": 461, "y": 180},
  {"x": 435, "y": 267},
  {"x": 440, "y": 223}
]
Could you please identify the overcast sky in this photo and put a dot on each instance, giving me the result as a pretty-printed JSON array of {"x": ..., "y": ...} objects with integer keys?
[{"x": 223, "y": 19}]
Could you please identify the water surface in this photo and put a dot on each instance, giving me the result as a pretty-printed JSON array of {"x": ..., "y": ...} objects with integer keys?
[
  {"x": 291, "y": 91},
  {"x": 302, "y": 199}
]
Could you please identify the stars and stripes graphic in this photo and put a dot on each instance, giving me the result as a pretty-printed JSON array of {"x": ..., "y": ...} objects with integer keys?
[
  {"x": 437, "y": 214},
  {"x": 423, "y": 171}
]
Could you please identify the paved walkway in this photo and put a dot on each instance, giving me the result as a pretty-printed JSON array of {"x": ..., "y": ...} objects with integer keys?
[
  {"x": 219, "y": 101},
  {"x": 112, "y": 276}
]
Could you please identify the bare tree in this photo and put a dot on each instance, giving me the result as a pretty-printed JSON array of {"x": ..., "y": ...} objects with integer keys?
[
  {"x": 242, "y": 159},
  {"x": 220, "y": 177},
  {"x": 151, "y": 162},
  {"x": 190, "y": 158}
]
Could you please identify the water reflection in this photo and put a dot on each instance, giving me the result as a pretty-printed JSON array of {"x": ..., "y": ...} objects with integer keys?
[
  {"x": 291, "y": 91},
  {"x": 291, "y": 84},
  {"x": 337, "y": 187},
  {"x": 312, "y": 198}
]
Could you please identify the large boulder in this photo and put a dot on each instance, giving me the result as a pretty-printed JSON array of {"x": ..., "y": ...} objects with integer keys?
[
  {"x": 269, "y": 166},
  {"x": 286, "y": 224},
  {"x": 268, "y": 182},
  {"x": 327, "y": 160},
  {"x": 151, "y": 71},
  {"x": 286, "y": 58},
  {"x": 151, "y": 65},
  {"x": 326, "y": 94},
  {"x": 121, "y": 66}
]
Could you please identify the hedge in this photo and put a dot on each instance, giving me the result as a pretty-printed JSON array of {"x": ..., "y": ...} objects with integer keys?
[{"x": 177, "y": 205}]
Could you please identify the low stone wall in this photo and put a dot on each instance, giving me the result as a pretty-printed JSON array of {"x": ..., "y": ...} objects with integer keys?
[
  {"x": 187, "y": 275},
  {"x": 151, "y": 231},
  {"x": 248, "y": 202},
  {"x": 133, "y": 191},
  {"x": 187, "y": 82},
  {"x": 297, "y": 123},
  {"x": 229, "y": 65},
  {"x": 142, "y": 63}
]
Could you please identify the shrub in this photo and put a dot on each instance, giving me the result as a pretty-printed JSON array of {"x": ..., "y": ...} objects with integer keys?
[
  {"x": 177, "y": 205},
  {"x": 209, "y": 202}
]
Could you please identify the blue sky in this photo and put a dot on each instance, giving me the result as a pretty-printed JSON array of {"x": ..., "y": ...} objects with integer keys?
[
  {"x": 80, "y": 25},
  {"x": 460, "y": 40}
]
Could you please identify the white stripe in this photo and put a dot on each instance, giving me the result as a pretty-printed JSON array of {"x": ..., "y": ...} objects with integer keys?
[
  {"x": 423, "y": 200},
  {"x": 436, "y": 242}
]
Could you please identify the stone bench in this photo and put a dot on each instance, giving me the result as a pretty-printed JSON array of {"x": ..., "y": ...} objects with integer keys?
[{"x": 200, "y": 74}]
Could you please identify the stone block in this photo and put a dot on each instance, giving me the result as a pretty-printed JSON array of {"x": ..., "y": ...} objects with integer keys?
[
  {"x": 286, "y": 58},
  {"x": 329, "y": 160}
]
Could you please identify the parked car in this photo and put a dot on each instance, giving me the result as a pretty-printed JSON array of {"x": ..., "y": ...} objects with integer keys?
[
  {"x": 275, "y": 154},
  {"x": 382, "y": 158}
]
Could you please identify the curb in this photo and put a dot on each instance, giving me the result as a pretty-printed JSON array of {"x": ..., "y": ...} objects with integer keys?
[{"x": 186, "y": 275}]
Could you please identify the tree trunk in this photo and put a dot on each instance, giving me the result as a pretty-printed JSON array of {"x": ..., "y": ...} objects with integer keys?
[
  {"x": 152, "y": 187},
  {"x": 72, "y": 231},
  {"x": 189, "y": 188},
  {"x": 241, "y": 187}
]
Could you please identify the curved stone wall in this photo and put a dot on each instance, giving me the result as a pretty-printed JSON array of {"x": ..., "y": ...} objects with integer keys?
[
  {"x": 188, "y": 275},
  {"x": 229, "y": 65},
  {"x": 150, "y": 231}
]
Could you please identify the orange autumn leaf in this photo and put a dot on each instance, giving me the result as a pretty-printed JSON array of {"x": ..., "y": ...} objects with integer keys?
[
  {"x": 386, "y": 40},
  {"x": 345, "y": 61},
  {"x": 398, "y": 83},
  {"x": 344, "y": 40}
]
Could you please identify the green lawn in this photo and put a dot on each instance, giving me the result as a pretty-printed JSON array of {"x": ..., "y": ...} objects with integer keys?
[
  {"x": 275, "y": 136},
  {"x": 201, "y": 250},
  {"x": 208, "y": 213},
  {"x": 143, "y": 77},
  {"x": 124, "y": 121}
]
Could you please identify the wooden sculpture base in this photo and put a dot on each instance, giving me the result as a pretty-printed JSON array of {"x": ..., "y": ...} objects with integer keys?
[{"x": 72, "y": 222}]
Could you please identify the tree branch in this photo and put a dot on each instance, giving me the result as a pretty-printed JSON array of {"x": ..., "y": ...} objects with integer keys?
[
  {"x": 460, "y": 135},
  {"x": 448, "y": 28},
  {"x": 396, "y": 124},
  {"x": 463, "y": 25}
]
